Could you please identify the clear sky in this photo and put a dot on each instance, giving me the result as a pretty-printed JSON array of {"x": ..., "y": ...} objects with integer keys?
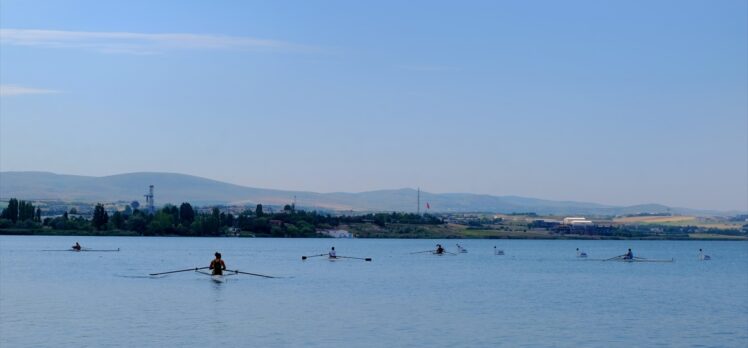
[{"x": 616, "y": 102}]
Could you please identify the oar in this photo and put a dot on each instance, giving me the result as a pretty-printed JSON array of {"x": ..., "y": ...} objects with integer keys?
[
  {"x": 421, "y": 252},
  {"x": 449, "y": 252},
  {"x": 613, "y": 258},
  {"x": 306, "y": 257},
  {"x": 357, "y": 258},
  {"x": 181, "y": 270},
  {"x": 642, "y": 259},
  {"x": 253, "y": 274}
]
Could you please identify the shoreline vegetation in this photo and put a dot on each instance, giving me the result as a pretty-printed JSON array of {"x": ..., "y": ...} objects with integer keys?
[{"x": 23, "y": 218}]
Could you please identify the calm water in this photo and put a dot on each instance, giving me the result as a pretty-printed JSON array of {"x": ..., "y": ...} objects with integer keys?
[{"x": 537, "y": 294}]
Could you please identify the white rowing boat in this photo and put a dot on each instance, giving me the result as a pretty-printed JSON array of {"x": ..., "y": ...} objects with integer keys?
[
  {"x": 214, "y": 277},
  {"x": 218, "y": 278},
  {"x": 85, "y": 250},
  {"x": 640, "y": 259},
  {"x": 647, "y": 260}
]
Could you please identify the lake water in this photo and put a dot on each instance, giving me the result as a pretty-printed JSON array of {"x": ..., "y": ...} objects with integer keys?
[{"x": 537, "y": 294}]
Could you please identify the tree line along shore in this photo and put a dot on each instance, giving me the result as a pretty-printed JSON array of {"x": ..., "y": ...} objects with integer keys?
[{"x": 24, "y": 218}]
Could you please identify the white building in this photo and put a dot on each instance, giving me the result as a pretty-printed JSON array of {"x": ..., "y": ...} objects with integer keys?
[
  {"x": 337, "y": 233},
  {"x": 577, "y": 221}
]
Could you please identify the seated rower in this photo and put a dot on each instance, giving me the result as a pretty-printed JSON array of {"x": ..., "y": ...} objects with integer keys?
[
  {"x": 703, "y": 257},
  {"x": 332, "y": 253},
  {"x": 439, "y": 249},
  {"x": 497, "y": 251},
  {"x": 581, "y": 253},
  {"x": 77, "y": 247},
  {"x": 217, "y": 265},
  {"x": 629, "y": 255}
]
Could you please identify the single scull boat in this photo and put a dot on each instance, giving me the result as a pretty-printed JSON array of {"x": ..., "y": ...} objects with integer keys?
[{"x": 85, "y": 249}]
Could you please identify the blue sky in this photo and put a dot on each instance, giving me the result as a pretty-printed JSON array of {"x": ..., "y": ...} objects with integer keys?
[{"x": 617, "y": 102}]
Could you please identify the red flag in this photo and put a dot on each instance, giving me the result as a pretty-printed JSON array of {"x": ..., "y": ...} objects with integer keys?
[{"x": 428, "y": 206}]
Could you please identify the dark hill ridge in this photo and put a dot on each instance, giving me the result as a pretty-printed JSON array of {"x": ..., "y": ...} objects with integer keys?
[{"x": 176, "y": 188}]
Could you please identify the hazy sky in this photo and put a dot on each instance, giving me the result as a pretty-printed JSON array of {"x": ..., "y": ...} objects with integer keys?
[{"x": 617, "y": 102}]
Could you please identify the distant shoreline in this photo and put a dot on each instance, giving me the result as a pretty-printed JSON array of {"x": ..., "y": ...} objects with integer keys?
[{"x": 25, "y": 232}]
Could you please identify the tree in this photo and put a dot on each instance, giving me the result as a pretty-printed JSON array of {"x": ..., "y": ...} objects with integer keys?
[
  {"x": 258, "y": 210},
  {"x": 38, "y": 215},
  {"x": 137, "y": 223},
  {"x": 287, "y": 208},
  {"x": 73, "y": 210},
  {"x": 118, "y": 220},
  {"x": 11, "y": 212},
  {"x": 186, "y": 214},
  {"x": 230, "y": 219},
  {"x": 162, "y": 223},
  {"x": 173, "y": 211},
  {"x": 100, "y": 217},
  {"x": 25, "y": 211}
]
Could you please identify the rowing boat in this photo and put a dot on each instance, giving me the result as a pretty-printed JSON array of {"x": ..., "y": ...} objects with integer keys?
[
  {"x": 100, "y": 250},
  {"x": 640, "y": 259},
  {"x": 218, "y": 278},
  {"x": 645, "y": 260},
  {"x": 86, "y": 250},
  {"x": 221, "y": 278}
]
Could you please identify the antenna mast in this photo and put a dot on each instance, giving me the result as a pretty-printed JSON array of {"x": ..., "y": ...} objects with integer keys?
[{"x": 418, "y": 210}]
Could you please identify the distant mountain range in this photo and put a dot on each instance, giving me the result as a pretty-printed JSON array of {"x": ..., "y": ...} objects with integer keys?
[{"x": 177, "y": 188}]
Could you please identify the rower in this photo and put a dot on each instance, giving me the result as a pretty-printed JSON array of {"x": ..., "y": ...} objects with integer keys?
[
  {"x": 439, "y": 249},
  {"x": 460, "y": 248},
  {"x": 629, "y": 255},
  {"x": 217, "y": 265},
  {"x": 76, "y": 247},
  {"x": 581, "y": 253},
  {"x": 703, "y": 257},
  {"x": 332, "y": 253},
  {"x": 497, "y": 251}
]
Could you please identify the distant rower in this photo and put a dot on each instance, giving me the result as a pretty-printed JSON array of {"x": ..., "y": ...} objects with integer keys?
[
  {"x": 703, "y": 257},
  {"x": 439, "y": 249},
  {"x": 582, "y": 253},
  {"x": 629, "y": 255},
  {"x": 461, "y": 249},
  {"x": 332, "y": 253},
  {"x": 76, "y": 247},
  {"x": 217, "y": 265},
  {"x": 497, "y": 251}
]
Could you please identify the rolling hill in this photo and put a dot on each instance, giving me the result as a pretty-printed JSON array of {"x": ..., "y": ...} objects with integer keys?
[{"x": 176, "y": 188}]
